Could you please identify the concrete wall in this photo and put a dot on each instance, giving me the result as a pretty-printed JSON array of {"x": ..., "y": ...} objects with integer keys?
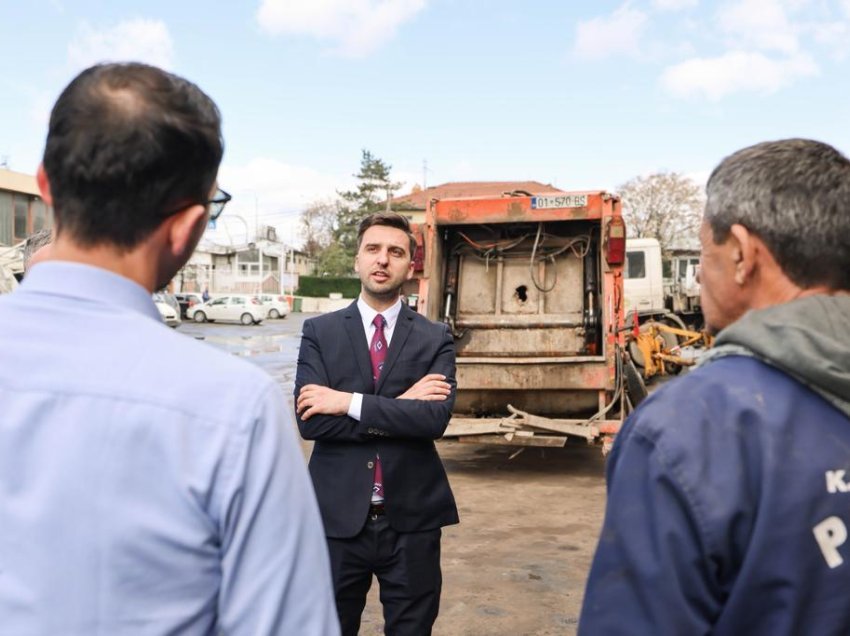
[{"x": 323, "y": 305}]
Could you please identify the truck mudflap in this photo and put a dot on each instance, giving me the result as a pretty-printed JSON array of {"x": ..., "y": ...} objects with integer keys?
[{"x": 525, "y": 429}]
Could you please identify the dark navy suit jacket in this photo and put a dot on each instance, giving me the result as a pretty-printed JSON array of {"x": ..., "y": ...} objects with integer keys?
[{"x": 334, "y": 353}]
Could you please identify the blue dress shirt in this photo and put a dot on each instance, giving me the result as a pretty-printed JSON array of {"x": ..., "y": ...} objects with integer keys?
[{"x": 149, "y": 484}]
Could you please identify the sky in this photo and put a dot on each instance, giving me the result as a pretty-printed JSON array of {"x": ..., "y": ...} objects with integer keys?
[{"x": 582, "y": 95}]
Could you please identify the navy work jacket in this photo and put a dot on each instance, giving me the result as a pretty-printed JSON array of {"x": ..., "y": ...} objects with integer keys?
[{"x": 728, "y": 509}]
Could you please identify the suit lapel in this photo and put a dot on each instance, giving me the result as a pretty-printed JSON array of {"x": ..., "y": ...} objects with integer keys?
[
  {"x": 403, "y": 326},
  {"x": 354, "y": 326}
]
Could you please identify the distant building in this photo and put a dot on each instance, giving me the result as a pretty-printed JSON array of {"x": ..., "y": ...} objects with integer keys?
[
  {"x": 264, "y": 265},
  {"x": 414, "y": 205},
  {"x": 22, "y": 211}
]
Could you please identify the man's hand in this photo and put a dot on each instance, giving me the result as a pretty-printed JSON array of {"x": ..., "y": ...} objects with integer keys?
[
  {"x": 431, "y": 387},
  {"x": 314, "y": 399}
]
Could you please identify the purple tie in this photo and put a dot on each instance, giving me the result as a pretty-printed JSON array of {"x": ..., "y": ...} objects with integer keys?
[
  {"x": 378, "y": 348},
  {"x": 378, "y": 353}
]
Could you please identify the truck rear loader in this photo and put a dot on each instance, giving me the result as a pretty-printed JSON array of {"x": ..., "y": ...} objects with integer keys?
[{"x": 532, "y": 289}]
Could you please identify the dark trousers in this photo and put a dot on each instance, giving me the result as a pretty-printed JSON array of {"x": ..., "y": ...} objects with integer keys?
[{"x": 407, "y": 565}]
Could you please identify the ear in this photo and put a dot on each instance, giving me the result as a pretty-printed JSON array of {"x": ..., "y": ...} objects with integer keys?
[
  {"x": 357, "y": 264},
  {"x": 44, "y": 185},
  {"x": 409, "y": 270},
  {"x": 744, "y": 246},
  {"x": 185, "y": 229}
]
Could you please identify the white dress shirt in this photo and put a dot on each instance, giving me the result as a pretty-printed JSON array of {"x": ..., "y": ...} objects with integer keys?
[{"x": 368, "y": 315}]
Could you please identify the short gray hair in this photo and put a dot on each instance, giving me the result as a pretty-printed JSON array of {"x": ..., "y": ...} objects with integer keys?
[
  {"x": 34, "y": 242},
  {"x": 794, "y": 194}
]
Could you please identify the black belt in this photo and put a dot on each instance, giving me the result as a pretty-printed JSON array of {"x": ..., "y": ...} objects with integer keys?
[{"x": 376, "y": 510}]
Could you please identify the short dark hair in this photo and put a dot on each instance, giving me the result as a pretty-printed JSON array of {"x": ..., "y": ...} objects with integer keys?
[
  {"x": 126, "y": 145},
  {"x": 793, "y": 194},
  {"x": 389, "y": 219}
]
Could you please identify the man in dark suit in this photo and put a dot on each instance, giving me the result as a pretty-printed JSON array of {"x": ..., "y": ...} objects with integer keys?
[{"x": 375, "y": 387}]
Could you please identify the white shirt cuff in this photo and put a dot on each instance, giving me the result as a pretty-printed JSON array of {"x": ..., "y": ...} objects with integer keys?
[{"x": 356, "y": 405}]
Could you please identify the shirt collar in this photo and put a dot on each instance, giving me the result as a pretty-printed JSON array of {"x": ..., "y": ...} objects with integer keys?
[
  {"x": 368, "y": 314},
  {"x": 86, "y": 282}
]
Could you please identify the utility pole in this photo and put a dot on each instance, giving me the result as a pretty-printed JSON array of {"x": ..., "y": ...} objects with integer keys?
[
  {"x": 256, "y": 218},
  {"x": 260, "y": 254}
]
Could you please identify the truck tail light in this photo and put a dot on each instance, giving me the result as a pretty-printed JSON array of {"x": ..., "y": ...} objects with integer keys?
[{"x": 615, "y": 242}]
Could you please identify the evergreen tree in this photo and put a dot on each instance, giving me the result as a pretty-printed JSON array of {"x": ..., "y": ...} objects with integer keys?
[{"x": 372, "y": 194}]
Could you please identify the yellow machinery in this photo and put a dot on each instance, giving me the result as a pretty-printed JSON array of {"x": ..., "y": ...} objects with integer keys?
[{"x": 657, "y": 348}]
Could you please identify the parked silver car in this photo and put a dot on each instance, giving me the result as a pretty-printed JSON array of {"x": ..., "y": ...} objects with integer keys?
[
  {"x": 276, "y": 305},
  {"x": 244, "y": 309},
  {"x": 170, "y": 315}
]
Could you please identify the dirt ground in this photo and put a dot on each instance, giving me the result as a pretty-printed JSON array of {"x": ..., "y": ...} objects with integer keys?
[{"x": 517, "y": 562}]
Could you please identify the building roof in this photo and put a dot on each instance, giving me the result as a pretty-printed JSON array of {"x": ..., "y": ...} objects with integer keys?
[
  {"x": 18, "y": 182},
  {"x": 457, "y": 189}
]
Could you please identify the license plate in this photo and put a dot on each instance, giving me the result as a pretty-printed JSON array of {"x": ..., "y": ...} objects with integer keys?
[{"x": 559, "y": 201}]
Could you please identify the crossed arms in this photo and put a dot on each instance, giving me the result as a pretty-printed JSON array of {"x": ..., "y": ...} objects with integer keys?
[{"x": 421, "y": 412}]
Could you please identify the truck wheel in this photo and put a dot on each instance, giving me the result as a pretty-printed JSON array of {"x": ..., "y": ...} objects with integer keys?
[
  {"x": 635, "y": 354},
  {"x": 634, "y": 385}
]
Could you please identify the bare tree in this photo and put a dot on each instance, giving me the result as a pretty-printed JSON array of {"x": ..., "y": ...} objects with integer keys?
[
  {"x": 666, "y": 206},
  {"x": 317, "y": 224}
]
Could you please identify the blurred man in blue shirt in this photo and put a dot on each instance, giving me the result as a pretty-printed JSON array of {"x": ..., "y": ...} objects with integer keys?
[{"x": 149, "y": 484}]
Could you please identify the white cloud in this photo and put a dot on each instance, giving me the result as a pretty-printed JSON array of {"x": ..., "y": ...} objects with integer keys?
[
  {"x": 270, "y": 192},
  {"x": 834, "y": 36},
  {"x": 138, "y": 40},
  {"x": 356, "y": 27},
  {"x": 760, "y": 24},
  {"x": 620, "y": 32},
  {"x": 673, "y": 5},
  {"x": 736, "y": 71},
  {"x": 832, "y": 30}
]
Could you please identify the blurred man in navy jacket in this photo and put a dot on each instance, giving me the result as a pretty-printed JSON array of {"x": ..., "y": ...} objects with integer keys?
[{"x": 729, "y": 489}]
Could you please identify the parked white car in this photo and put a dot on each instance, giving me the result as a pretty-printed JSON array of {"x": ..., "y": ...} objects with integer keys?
[
  {"x": 276, "y": 306},
  {"x": 170, "y": 316},
  {"x": 244, "y": 309}
]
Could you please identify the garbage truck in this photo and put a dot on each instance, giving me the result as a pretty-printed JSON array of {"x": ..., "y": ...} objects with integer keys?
[{"x": 532, "y": 290}]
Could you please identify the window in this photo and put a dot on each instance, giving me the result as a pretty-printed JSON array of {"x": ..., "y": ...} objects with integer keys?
[
  {"x": 39, "y": 213},
  {"x": 237, "y": 301},
  {"x": 21, "y": 209},
  {"x": 6, "y": 207},
  {"x": 635, "y": 264}
]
